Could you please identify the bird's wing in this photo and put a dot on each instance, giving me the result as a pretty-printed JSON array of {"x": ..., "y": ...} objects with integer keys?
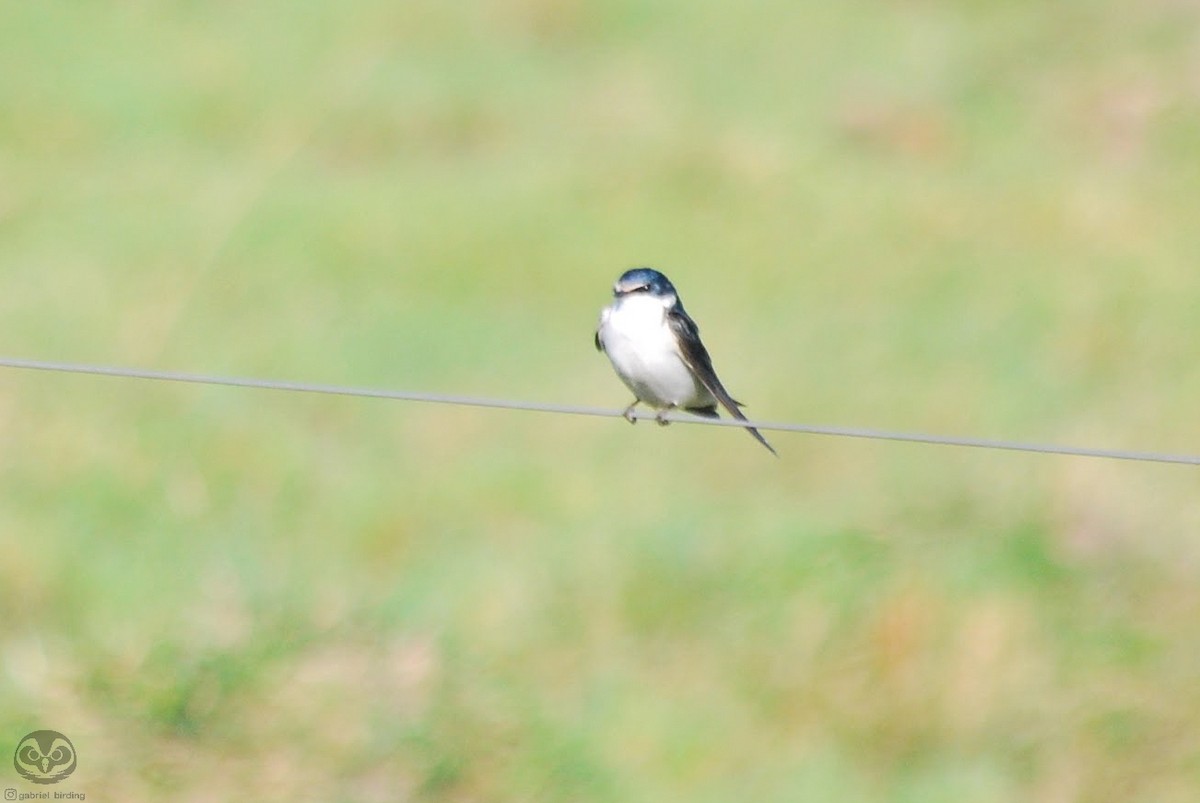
[
  {"x": 596, "y": 338},
  {"x": 687, "y": 334}
]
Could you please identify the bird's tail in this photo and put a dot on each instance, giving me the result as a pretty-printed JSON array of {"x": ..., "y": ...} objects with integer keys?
[{"x": 757, "y": 435}]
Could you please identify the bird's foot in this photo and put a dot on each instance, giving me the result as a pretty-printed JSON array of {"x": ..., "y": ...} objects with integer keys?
[
  {"x": 629, "y": 416},
  {"x": 661, "y": 417}
]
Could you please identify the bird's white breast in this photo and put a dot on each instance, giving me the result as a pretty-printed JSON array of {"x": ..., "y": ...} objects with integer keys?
[{"x": 643, "y": 350}]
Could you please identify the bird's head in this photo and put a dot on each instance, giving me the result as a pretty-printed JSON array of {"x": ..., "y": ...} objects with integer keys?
[{"x": 644, "y": 280}]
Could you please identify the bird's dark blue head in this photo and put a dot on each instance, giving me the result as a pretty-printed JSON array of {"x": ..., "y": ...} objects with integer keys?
[{"x": 644, "y": 280}]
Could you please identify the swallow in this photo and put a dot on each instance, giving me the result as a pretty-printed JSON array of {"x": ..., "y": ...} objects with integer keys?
[{"x": 655, "y": 348}]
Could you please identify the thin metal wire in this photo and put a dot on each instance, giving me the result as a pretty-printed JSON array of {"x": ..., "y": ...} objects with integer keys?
[{"x": 569, "y": 409}]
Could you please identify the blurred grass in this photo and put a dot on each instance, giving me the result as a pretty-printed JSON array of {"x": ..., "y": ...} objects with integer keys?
[{"x": 959, "y": 217}]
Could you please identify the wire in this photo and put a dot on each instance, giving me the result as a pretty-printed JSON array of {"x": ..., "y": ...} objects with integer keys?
[{"x": 567, "y": 409}]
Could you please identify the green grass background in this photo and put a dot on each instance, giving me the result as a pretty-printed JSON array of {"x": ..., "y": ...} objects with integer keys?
[{"x": 960, "y": 217}]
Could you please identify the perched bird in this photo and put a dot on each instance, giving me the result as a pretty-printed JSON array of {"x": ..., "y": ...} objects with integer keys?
[{"x": 655, "y": 348}]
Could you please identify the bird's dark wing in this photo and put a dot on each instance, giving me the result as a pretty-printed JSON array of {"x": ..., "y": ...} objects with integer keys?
[
  {"x": 596, "y": 338},
  {"x": 697, "y": 359}
]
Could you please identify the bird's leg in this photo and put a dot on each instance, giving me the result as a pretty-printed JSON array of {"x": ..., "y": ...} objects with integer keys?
[
  {"x": 661, "y": 416},
  {"x": 629, "y": 412}
]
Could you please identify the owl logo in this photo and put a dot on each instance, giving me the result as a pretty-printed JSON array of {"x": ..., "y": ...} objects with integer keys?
[{"x": 44, "y": 757}]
